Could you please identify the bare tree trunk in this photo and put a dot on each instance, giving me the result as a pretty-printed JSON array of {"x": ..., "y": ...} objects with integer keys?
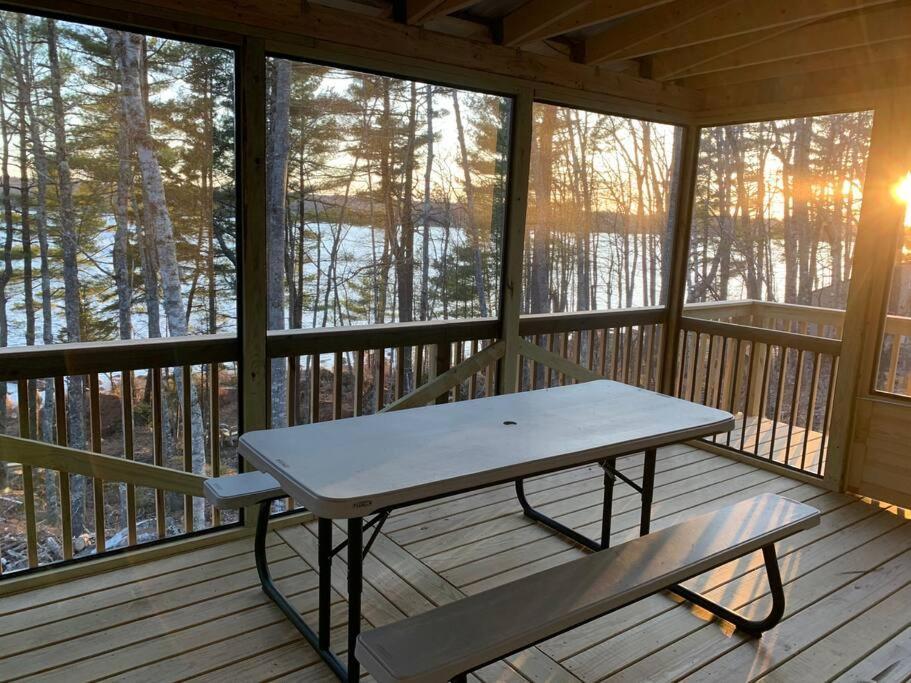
[
  {"x": 277, "y": 154},
  {"x": 126, "y": 50},
  {"x": 540, "y": 267},
  {"x": 425, "y": 243},
  {"x": 7, "y": 272},
  {"x": 469, "y": 200}
]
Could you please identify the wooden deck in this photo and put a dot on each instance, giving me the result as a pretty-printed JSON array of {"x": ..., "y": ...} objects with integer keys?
[{"x": 202, "y": 616}]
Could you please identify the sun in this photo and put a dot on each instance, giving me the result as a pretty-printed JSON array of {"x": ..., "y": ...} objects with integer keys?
[{"x": 902, "y": 192}]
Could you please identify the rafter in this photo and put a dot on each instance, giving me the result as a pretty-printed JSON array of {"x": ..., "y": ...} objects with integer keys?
[
  {"x": 857, "y": 30},
  {"x": 644, "y": 27},
  {"x": 634, "y": 38},
  {"x": 838, "y": 89},
  {"x": 676, "y": 63},
  {"x": 419, "y": 11},
  {"x": 540, "y": 19},
  {"x": 850, "y": 58}
]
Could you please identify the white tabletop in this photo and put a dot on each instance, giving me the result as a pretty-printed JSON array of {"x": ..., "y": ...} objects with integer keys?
[{"x": 352, "y": 467}]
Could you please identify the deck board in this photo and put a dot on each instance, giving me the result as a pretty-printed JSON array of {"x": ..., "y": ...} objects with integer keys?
[{"x": 201, "y": 615}]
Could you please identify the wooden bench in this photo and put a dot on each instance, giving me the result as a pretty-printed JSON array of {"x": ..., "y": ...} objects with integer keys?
[
  {"x": 451, "y": 641},
  {"x": 241, "y": 490}
]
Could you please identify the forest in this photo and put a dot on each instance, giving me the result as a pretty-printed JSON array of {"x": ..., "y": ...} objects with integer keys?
[{"x": 385, "y": 203}]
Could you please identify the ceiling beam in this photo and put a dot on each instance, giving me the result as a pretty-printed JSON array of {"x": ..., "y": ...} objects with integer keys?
[
  {"x": 643, "y": 27},
  {"x": 880, "y": 25},
  {"x": 540, "y": 19},
  {"x": 686, "y": 61},
  {"x": 419, "y": 11},
  {"x": 850, "y": 58},
  {"x": 834, "y": 90},
  {"x": 728, "y": 19}
]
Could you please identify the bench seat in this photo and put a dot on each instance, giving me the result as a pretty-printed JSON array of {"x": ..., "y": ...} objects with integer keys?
[
  {"x": 447, "y": 642},
  {"x": 241, "y": 490}
]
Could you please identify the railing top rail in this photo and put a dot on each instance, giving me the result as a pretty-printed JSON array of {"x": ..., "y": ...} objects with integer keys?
[
  {"x": 55, "y": 360},
  {"x": 283, "y": 343},
  {"x": 546, "y": 323},
  {"x": 762, "y": 335}
]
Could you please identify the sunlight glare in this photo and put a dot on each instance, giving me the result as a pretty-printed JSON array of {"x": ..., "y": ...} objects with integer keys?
[{"x": 902, "y": 192}]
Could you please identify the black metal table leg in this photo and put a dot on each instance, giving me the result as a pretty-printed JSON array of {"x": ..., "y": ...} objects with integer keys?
[
  {"x": 648, "y": 490},
  {"x": 531, "y": 513},
  {"x": 355, "y": 585},
  {"x": 270, "y": 589},
  {"x": 325, "y": 580},
  {"x": 610, "y": 467}
]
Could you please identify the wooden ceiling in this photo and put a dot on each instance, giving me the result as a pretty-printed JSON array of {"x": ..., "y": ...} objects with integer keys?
[
  {"x": 695, "y": 43},
  {"x": 699, "y": 61}
]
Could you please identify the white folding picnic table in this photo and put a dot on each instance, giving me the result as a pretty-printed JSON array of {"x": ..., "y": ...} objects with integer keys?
[{"x": 370, "y": 465}]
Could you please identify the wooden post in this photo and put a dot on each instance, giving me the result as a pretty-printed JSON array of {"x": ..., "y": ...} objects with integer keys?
[
  {"x": 514, "y": 238},
  {"x": 878, "y": 232},
  {"x": 254, "y": 360},
  {"x": 251, "y": 114},
  {"x": 676, "y": 285}
]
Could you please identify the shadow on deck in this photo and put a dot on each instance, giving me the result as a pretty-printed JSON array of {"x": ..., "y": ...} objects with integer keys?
[{"x": 201, "y": 615}]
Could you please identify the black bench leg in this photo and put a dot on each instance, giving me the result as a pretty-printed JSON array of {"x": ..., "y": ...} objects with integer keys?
[
  {"x": 461, "y": 678},
  {"x": 270, "y": 589},
  {"x": 754, "y": 627}
]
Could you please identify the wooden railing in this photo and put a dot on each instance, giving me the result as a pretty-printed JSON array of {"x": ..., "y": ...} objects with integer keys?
[
  {"x": 143, "y": 419},
  {"x": 172, "y": 403},
  {"x": 779, "y": 386},
  {"x": 623, "y": 345}
]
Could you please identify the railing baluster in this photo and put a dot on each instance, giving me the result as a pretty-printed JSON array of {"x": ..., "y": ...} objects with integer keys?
[
  {"x": 359, "y": 383},
  {"x": 28, "y": 482},
  {"x": 627, "y": 353},
  {"x": 488, "y": 376},
  {"x": 337, "y": 370},
  {"x": 776, "y": 415},
  {"x": 681, "y": 361},
  {"x": 577, "y": 351},
  {"x": 215, "y": 431},
  {"x": 293, "y": 390},
  {"x": 548, "y": 372},
  {"x": 314, "y": 388},
  {"x": 187, "y": 377},
  {"x": 399, "y": 372},
  {"x": 158, "y": 449},
  {"x": 66, "y": 512},
  {"x": 473, "y": 380},
  {"x": 764, "y": 394},
  {"x": 603, "y": 352},
  {"x": 650, "y": 355},
  {"x": 893, "y": 362},
  {"x": 747, "y": 394},
  {"x": 380, "y": 387},
  {"x": 708, "y": 370},
  {"x": 795, "y": 405},
  {"x": 693, "y": 375},
  {"x": 126, "y": 414},
  {"x": 419, "y": 365},
  {"x": 811, "y": 409},
  {"x": 722, "y": 375},
  {"x": 590, "y": 363},
  {"x": 827, "y": 418},
  {"x": 640, "y": 343},
  {"x": 735, "y": 378},
  {"x": 97, "y": 484},
  {"x": 615, "y": 352}
]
